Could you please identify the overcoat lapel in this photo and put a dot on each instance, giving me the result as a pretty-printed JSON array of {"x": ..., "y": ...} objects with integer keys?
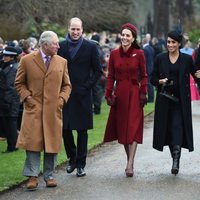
[
  {"x": 51, "y": 65},
  {"x": 38, "y": 60}
]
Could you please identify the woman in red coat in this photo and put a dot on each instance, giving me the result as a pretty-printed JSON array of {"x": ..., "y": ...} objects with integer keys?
[{"x": 126, "y": 94}]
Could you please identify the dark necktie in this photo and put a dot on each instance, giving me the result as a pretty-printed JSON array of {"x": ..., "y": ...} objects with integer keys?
[{"x": 47, "y": 62}]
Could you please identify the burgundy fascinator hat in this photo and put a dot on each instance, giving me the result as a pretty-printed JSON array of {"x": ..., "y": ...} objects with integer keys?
[{"x": 131, "y": 27}]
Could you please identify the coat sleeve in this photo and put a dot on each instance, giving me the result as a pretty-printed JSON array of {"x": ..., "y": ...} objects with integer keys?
[
  {"x": 66, "y": 85},
  {"x": 111, "y": 76},
  {"x": 20, "y": 81}
]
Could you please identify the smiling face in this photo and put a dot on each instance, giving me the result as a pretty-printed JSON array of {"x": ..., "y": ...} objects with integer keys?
[
  {"x": 75, "y": 29},
  {"x": 172, "y": 45},
  {"x": 127, "y": 38}
]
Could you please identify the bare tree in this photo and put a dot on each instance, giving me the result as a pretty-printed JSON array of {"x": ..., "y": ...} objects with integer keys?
[
  {"x": 182, "y": 13},
  {"x": 19, "y": 17},
  {"x": 161, "y": 17}
]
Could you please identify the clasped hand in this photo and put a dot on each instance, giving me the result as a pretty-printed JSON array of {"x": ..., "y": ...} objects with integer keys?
[
  {"x": 143, "y": 99},
  {"x": 111, "y": 101}
]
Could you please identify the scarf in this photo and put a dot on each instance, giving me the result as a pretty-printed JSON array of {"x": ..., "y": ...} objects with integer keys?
[{"x": 73, "y": 45}]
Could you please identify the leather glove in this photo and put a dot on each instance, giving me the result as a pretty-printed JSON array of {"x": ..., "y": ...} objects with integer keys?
[
  {"x": 143, "y": 99},
  {"x": 111, "y": 101}
]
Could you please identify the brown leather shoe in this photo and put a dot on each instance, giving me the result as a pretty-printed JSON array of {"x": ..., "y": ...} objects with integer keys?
[
  {"x": 51, "y": 183},
  {"x": 32, "y": 183}
]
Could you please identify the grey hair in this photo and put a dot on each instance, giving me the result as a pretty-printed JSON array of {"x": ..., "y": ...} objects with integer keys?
[{"x": 46, "y": 37}]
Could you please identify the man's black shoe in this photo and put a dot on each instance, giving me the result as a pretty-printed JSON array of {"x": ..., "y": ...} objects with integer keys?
[
  {"x": 70, "y": 168},
  {"x": 80, "y": 172}
]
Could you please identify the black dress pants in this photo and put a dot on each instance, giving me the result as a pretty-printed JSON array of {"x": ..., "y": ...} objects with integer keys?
[
  {"x": 76, "y": 153},
  {"x": 9, "y": 129},
  {"x": 150, "y": 89}
]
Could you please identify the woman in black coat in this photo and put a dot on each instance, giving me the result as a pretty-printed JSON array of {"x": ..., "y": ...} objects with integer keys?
[
  {"x": 9, "y": 99},
  {"x": 173, "y": 119}
]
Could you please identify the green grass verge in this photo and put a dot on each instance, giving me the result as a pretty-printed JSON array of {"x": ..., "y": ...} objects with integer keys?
[{"x": 11, "y": 164}]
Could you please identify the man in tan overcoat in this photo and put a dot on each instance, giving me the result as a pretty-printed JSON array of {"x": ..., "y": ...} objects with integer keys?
[{"x": 43, "y": 84}]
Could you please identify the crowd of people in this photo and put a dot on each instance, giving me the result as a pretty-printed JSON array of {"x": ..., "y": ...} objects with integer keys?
[{"x": 51, "y": 88}]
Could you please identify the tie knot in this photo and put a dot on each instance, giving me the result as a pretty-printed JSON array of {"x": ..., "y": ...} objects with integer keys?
[{"x": 48, "y": 58}]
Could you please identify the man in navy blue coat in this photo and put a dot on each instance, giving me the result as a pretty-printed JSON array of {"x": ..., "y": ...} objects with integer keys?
[
  {"x": 84, "y": 70},
  {"x": 149, "y": 57}
]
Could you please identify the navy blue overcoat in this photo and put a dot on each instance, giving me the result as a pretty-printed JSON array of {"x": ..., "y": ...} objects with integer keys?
[{"x": 84, "y": 70}]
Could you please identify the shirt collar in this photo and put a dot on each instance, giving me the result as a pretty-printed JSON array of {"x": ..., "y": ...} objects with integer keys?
[{"x": 43, "y": 55}]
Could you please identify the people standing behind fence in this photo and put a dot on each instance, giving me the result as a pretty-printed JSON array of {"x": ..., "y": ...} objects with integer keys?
[
  {"x": 197, "y": 55},
  {"x": 99, "y": 87},
  {"x": 1, "y": 44},
  {"x": 84, "y": 70},
  {"x": 148, "y": 38},
  {"x": 187, "y": 49},
  {"x": 149, "y": 58},
  {"x": 156, "y": 46},
  {"x": 25, "y": 45},
  {"x": 33, "y": 43},
  {"x": 1, "y": 48},
  {"x": 127, "y": 97},
  {"x": 193, "y": 86},
  {"x": 43, "y": 84},
  {"x": 9, "y": 99},
  {"x": 173, "y": 119},
  {"x": 194, "y": 56},
  {"x": 196, "y": 52}
]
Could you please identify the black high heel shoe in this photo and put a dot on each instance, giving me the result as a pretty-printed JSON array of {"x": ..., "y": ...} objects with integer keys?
[{"x": 176, "y": 154}]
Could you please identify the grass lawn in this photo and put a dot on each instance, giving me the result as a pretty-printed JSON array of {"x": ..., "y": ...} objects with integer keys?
[{"x": 11, "y": 164}]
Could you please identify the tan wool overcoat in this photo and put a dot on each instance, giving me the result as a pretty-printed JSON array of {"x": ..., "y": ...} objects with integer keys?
[{"x": 41, "y": 128}]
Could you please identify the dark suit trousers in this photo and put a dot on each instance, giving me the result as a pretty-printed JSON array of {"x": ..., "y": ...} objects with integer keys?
[
  {"x": 150, "y": 90},
  {"x": 9, "y": 128},
  {"x": 76, "y": 154}
]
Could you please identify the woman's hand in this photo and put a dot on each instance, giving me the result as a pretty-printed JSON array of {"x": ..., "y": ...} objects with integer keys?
[
  {"x": 111, "y": 101},
  {"x": 143, "y": 99},
  {"x": 162, "y": 81}
]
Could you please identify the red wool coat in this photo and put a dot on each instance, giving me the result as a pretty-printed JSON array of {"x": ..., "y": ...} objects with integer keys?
[{"x": 126, "y": 79}]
